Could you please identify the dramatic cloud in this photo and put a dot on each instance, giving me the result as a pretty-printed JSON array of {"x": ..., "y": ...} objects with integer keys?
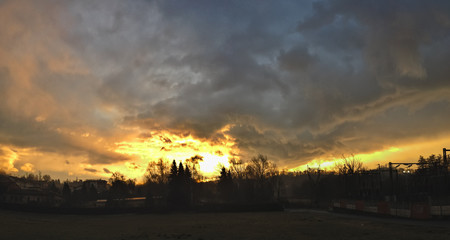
[
  {"x": 28, "y": 167},
  {"x": 297, "y": 81}
]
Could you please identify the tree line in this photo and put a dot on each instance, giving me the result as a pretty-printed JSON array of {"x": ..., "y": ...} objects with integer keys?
[
  {"x": 183, "y": 186},
  {"x": 180, "y": 185}
]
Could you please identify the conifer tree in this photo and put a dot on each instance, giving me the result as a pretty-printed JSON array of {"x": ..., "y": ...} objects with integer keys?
[
  {"x": 173, "y": 172},
  {"x": 225, "y": 184},
  {"x": 187, "y": 174},
  {"x": 181, "y": 171},
  {"x": 174, "y": 186},
  {"x": 188, "y": 185}
]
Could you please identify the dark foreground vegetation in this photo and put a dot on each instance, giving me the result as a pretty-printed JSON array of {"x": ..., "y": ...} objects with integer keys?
[
  {"x": 256, "y": 185},
  {"x": 168, "y": 188}
]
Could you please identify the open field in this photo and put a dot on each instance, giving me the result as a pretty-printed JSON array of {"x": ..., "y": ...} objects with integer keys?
[{"x": 261, "y": 225}]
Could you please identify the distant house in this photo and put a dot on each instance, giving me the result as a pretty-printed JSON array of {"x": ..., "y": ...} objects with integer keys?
[
  {"x": 98, "y": 184},
  {"x": 17, "y": 191},
  {"x": 75, "y": 185},
  {"x": 7, "y": 185}
]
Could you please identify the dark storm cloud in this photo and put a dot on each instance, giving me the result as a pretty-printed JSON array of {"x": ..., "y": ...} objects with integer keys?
[
  {"x": 350, "y": 63},
  {"x": 294, "y": 80},
  {"x": 304, "y": 74},
  {"x": 46, "y": 97}
]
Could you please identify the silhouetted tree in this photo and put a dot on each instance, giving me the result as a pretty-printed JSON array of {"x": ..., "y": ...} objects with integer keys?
[
  {"x": 158, "y": 176},
  {"x": 258, "y": 167},
  {"x": 349, "y": 165},
  {"x": 187, "y": 186},
  {"x": 131, "y": 185},
  {"x": 225, "y": 185},
  {"x": 84, "y": 196},
  {"x": 31, "y": 177},
  {"x": 92, "y": 193},
  {"x": 66, "y": 193},
  {"x": 434, "y": 164},
  {"x": 180, "y": 171},
  {"x": 46, "y": 178},
  {"x": 237, "y": 168},
  {"x": 193, "y": 162},
  {"x": 187, "y": 174},
  {"x": 314, "y": 179},
  {"x": 173, "y": 172},
  {"x": 261, "y": 174},
  {"x": 180, "y": 186},
  {"x": 349, "y": 170},
  {"x": 120, "y": 188},
  {"x": 157, "y": 172},
  {"x": 174, "y": 186},
  {"x": 52, "y": 187}
]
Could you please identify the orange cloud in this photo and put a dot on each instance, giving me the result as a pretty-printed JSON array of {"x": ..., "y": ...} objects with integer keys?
[
  {"x": 7, "y": 158},
  {"x": 27, "y": 167}
]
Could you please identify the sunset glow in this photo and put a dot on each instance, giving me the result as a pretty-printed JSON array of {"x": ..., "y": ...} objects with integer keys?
[
  {"x": 404, "y": 153},
  {"x": 224, "y": 119},
  {"x": 173, "y": 147},
  {"x": 92, "y": 88}
]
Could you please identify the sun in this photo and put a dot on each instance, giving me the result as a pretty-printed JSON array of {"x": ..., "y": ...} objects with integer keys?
[
  {"x": 211, "y": 164},
  {"x": 171, "y": 147}
]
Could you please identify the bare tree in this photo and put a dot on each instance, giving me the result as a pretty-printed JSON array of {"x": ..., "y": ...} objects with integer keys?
[
  {"x": 120, "y": 188},
  {"x": 46, "y": 178},
  {"x": 349, "y": 165},
  {"x": 193, "y": 165},
  {"x": 157, "y": 171},
  {"x": 117, "y": 176},
  {"x": 314, "y": 178},
  {"x": 260, "y": 167},
  {"x": 237, "y": 168},
  {"x": 264, "y": 178},
  {"x": 272, "y": 171},
  {"x": 313, "y": 174}
]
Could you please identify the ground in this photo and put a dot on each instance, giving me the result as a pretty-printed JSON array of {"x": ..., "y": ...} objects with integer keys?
[{"x": 295, "y": 224}]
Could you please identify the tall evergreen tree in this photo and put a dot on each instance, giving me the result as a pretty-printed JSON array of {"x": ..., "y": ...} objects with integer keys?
[
  {"x": 174, "y": 186},
  {"x": 225, "y": 185},
  {"x": 223, "y": 175},
  {"x": 173, "y": 171},
  {"x": 181, "y": 171},
  {"x": 188, "y": 186},
  {"x": 187, "y": 174}
]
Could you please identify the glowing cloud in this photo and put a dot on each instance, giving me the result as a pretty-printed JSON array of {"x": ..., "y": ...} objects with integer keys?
[
  {"x": 92, "y": 87},
  {"x": 28, "y": 167},
  {"x": 7, "y": 158},
  {"x": 174, "y": 147}
]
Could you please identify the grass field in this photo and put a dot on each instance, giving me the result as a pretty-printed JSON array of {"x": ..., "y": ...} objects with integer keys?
[{"x": 261, "y": 225}]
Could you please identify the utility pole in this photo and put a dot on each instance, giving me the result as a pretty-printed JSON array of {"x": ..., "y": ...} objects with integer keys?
[
  {"x": 444, "y": 155},
  {"x": 391, "y": 180}
]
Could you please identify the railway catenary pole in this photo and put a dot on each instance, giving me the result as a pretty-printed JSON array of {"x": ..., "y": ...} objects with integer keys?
[{"x": 444, "y": 155}]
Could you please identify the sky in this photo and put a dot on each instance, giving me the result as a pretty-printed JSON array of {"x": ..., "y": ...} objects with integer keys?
[{"x": 92, "y": 87}]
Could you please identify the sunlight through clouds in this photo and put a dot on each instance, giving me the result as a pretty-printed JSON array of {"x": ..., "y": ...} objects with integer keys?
[
  {"x": 179, "y": 148},
  {"x": 92, "y": 87}
]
